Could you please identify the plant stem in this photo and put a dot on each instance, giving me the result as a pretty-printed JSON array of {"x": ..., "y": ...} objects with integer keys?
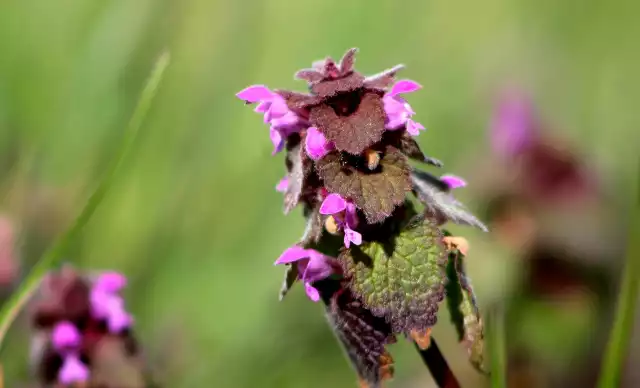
[
  {"x": 497, "y": 348},
  {"x": 19, "y": 298},
  {"x": 617, "y": 348},
  {"x": 438, "y": 366}
]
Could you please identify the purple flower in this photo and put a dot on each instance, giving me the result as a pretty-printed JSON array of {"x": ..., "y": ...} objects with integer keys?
[
  {"x": 282, "y": 185},
  {"x": 316, "y": 144},
  {"x": 107, "y": 304},
  {"x": 65, "y": 336},
  {"x": 312, "y": 266},
  {"x": 398, "y": 111},
  {"x": 513, "y": 125},
  {"x": 345, "y": 215},
  {"x": 283, "y": 121},
  {"x": 453, "y": 181},
  {"x": 73, "y": 370}
]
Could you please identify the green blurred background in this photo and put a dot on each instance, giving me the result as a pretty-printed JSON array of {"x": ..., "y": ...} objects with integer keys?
[{"x": 194, "y": 220}]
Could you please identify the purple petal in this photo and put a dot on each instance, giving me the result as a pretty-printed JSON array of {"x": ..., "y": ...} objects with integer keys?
[
  {"x": 333, "y": 204},
  {"x": 351, "y": 215},
  {"x": 73, "y": 371},
  {"x": 319, "y": 267},
  {"x": 316, "y": 144},
  {"x": 119, "y": 320},
  {"x": 414, "y": 128},
  {"x": 512, "y": 125},
  {"x": 255, "y": 93},
  {"x": 263, "y": 107},
  {"x": 351, "y": 236},
  {"x": 278, "y": 107},
  {"x": 110, "y": 282},
  {"x": 276, "y": 140},
  {"x": 292, "y": 254},
  {"x": 311, "y": 292},
  {"x": 404, "y": 86},
  {"x": 287, "y": 120},
  {"x": 392, "y": 106},
  {"x": 65, "y": 335},
  {"x": 453, "y": 181},
  {"x": 283, "y": 185}
]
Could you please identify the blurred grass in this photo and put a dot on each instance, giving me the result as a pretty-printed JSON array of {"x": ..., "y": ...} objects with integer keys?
[{"x": 195, "y": 221}]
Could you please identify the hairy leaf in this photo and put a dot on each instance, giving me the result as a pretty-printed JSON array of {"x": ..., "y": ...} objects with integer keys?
[
  {"x": 409, "y": 146},
  {"x": 332, "y": 87},
  {"x": 298, "y": 101},
  {"x": 352, "y": 121},
  {"x": 290, "y": 277},
  {"x": 463, "y": 308},
  {"x": 382, "y": 80},
  {"x": 376, "y": 192},
  {"x": 299, "y": 166},
  {"x": 439, "y": 202},
  {"x": 363, "y": 337},
  {"x": 348, "y": 60},
  {"x": 401, "y": 279},
  {"x": 309, "y": 75}
]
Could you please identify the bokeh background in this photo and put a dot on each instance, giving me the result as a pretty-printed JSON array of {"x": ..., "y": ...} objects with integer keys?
[{"x": 194, "y": 220}]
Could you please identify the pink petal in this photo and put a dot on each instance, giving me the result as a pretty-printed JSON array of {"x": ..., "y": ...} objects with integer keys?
[
  {"x": 65, "y": 335},
  {"x": 284, "y": 121},
  {"x": 278, "y": 107},
  {"x": 262, "y": 107},
  {"x": 333, "y": 204},
  {"x": 414, "y": 128},
  {"x": 513, "y": 124},
  {"x": 283, "y": 185},
  {"x": 312, "y": 292},
  {"x": 351, "y": 236},
  {"x": 110, "y": 282},
  {"x": 316, "y": 144},
  {"x": 351, "y": 215},
  {"x": 73, "y": 371},
  {"x": 119, "y": 320},
  {"x": 404, "y": 86},
  {"x": 255, "y": 93},
  {"x": 319, "y": 267},
  {"x": 453, "y": 181},
  {"x": 292, "y": 254},
  {"x": 276, "y": 140}
]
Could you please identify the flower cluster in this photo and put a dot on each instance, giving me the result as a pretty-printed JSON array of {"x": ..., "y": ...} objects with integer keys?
[
  {"x": 377, "y": 263},
  {"x": 74, "y": 318}
]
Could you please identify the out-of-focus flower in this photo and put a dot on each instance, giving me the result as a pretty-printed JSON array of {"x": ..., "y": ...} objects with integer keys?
[
  {"x": 513, "y": 126},
  {"x": 312, "y": 267},
  {"x": 345, "y": 214},
  {"x": 8, "y": 259},
  {"x": 398, "y": 111},
  {"x": 276, "y": 113},
  {"x": 79, "y": 314}
]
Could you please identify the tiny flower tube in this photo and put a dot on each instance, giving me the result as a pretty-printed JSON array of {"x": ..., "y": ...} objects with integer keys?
[
  {"x": 276, "y": 113},
  {"x": 345, "y": 215},
  {"x": 453, "y": 181},
  {"x": 312, "y": 266},
  {"x": 398, "y": 111},
  {"x": 316, "y": 144},
  {"x": 282, "y": 185}
]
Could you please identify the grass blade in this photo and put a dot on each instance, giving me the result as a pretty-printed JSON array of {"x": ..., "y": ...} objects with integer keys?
[
  {"x": 617, "y": 348},
  {"x": 14, "y": 304}
]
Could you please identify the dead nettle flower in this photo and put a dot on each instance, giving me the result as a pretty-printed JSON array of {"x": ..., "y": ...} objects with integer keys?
[
  {"x": 73, "y": 318},
  {"x": 378, "y": 264}
]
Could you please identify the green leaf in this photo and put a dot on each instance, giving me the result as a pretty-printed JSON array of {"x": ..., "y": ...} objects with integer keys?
[
  {"x": 376, "y": 193},
  {"x": 463, "y": 308},
  {"x": 401, "y": 279}
]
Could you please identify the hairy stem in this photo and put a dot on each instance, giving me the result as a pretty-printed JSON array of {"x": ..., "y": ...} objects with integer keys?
[
  {"x": 19, "y": 298},
  {"x": 617, "y": 348}
]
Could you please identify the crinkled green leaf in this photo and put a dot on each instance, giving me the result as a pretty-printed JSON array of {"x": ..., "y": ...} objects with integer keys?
[
  {"x": 463, "y": 308},
  {"x": 363, "y": 337},
  {"x": 401, "y": 279},
  {"x": 352, "y": 121},
  {"x": 375, "y": 192},
  {"x": 439, "y": 202}
]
